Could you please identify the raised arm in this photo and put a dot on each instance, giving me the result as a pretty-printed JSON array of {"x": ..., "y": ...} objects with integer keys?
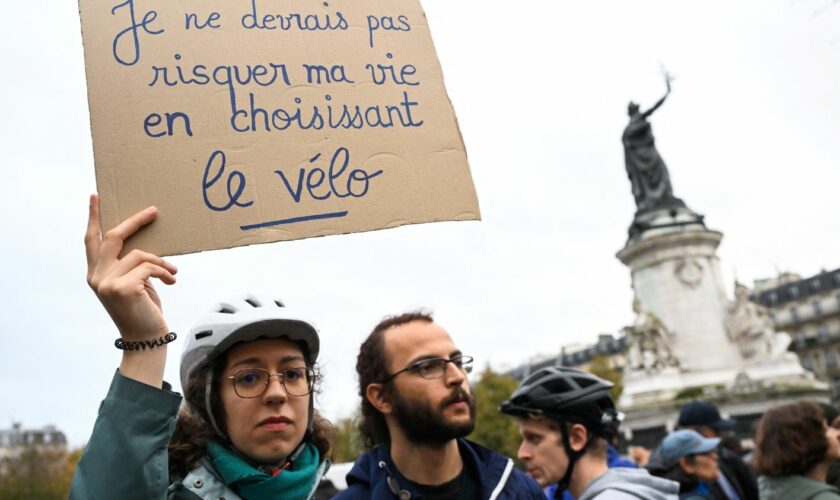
[
  {"x": 126, "y": 456},
  {"x": 660, "y": 101},
  {"x": 124, "y": 286}
]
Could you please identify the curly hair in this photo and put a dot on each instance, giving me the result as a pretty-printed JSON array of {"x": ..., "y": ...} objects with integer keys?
[
  {"x": 372, "y": 367},
  {"x": 790, "y": 439},
  {"x": 193, "y": 430}
]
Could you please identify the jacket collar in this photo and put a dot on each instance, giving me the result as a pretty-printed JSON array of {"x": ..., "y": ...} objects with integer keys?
[{"x": 377, "y": 471}]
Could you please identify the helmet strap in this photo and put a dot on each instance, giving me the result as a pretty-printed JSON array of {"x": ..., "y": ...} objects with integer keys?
[
  {"x": 208, "y": 393},
  {"x": 310, "y": 424},
  {"x": 572, "y": 455},
  {"x": 297, "y": 451}
]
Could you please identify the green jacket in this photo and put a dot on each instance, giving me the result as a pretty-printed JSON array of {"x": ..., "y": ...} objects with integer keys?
[
  {"x": 126, "y": 457},
  {"x": 795, "y": 488}
]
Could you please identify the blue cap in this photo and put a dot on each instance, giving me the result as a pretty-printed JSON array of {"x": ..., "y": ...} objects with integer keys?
[
  {"x": 684, "y": 442},
  {"x": 702, "y": 413}
]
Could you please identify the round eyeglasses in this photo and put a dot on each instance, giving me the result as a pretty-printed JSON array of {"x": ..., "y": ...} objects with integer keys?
[
  {"x": 252, "y": 382},
  {"x": 432, "y": 368}
]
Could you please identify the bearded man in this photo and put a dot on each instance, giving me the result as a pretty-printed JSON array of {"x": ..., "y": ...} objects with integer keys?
[{"x": 417, "y": 408}]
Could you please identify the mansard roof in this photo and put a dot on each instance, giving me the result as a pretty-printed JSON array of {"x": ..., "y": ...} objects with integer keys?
[{"x": 826, "y": 281}]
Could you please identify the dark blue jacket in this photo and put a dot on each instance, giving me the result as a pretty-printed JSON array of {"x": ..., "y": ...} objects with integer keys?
[{"x": 499, "y": 480}]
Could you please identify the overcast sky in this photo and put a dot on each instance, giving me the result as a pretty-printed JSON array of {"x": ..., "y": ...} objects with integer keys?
[{"x": 751, "y": 136}]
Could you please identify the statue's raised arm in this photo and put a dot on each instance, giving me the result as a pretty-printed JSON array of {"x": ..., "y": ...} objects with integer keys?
[{"x": 649, "y": 112}]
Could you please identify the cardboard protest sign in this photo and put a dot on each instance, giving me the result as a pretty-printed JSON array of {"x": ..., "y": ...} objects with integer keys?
[{"x": 249, "y": 121}]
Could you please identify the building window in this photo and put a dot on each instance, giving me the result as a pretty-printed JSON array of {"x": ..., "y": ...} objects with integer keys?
[
  {"x": 794, "y": 292},
  {"x": 837, "y": 278},
  {"x": 815, "y": 285},
  {"x": 830, "y": 358},
  {"x": 793, "y": 316},
  {"x": 823, "y": 333},
  {"x": 807, "y": 363},
  {"x": 772, "y": 316},
  {"x": 775, "y": 298},
  {"x": 817, "y": 308},
  {"x": 799, "y": 338}
]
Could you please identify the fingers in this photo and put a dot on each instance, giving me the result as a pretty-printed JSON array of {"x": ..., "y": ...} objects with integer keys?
[
  {"x": 134, "y": 282},
  {"x": 147, "y": 270},
  {"x": 93, "y": 237},
  {"x": 137, "y": 257},
  {"x": 103, "y": 259},
  {"x": 114, "y": 239}
]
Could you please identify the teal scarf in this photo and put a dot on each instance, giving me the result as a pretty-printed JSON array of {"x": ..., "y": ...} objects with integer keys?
[{"x": 296, "y": 482}]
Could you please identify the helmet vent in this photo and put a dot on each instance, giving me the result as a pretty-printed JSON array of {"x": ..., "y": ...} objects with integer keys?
[
  {"x": 227, "y": 310},
  {"x": 558, "y": 386},
  {"x": 253, "y": 302},
  {"x": 585, "y": 382},
  {"x": 279, "y": 304},
  {"x": 201, "y": 335}
]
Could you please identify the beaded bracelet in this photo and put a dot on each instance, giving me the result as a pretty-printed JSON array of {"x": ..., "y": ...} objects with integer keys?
[{"x": 125, "y": 345}]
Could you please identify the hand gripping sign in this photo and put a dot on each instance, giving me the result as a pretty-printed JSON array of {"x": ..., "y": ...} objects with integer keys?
[{"x": 250, "y": 121}]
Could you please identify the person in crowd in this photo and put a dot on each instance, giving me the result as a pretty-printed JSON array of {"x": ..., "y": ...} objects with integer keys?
[
  {"x": 417, "y": 408},
  {"x": 794, "y": 446},
  {"x": 691, "y": 460},
  {"x": 736, "y": 481},
  {"x": 566, "y": 418},
  {"x": 832, "y": 417},
  {"x": 248, "y": 429}
]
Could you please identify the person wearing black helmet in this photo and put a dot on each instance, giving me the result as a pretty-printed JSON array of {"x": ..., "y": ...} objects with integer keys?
[{"x": 566, "y": 418}]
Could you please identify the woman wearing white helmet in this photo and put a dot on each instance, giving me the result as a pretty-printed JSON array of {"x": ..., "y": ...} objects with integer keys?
[{"x": 248, "y": 428}]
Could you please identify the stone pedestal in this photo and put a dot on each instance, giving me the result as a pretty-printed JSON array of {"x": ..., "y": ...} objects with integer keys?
[{"x": 676, "y": 276}]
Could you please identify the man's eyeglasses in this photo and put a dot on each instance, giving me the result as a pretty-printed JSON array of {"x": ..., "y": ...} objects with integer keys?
[
  {"x": 435, "y": 367},
  {"x": 252, "y": 382}
]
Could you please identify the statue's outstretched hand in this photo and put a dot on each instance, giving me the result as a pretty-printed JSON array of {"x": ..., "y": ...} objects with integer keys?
[{"x": 123, "y": 284}]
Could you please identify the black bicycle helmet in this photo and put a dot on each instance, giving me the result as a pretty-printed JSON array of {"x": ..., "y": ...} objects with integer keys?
[{"x": 567, "y": 395}]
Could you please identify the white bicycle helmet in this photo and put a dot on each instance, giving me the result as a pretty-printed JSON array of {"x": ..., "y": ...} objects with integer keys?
[{"x": 244, "y": 319}]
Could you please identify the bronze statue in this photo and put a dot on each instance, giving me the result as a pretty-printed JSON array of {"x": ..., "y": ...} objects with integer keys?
[{"x": 647, "y": 171}]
